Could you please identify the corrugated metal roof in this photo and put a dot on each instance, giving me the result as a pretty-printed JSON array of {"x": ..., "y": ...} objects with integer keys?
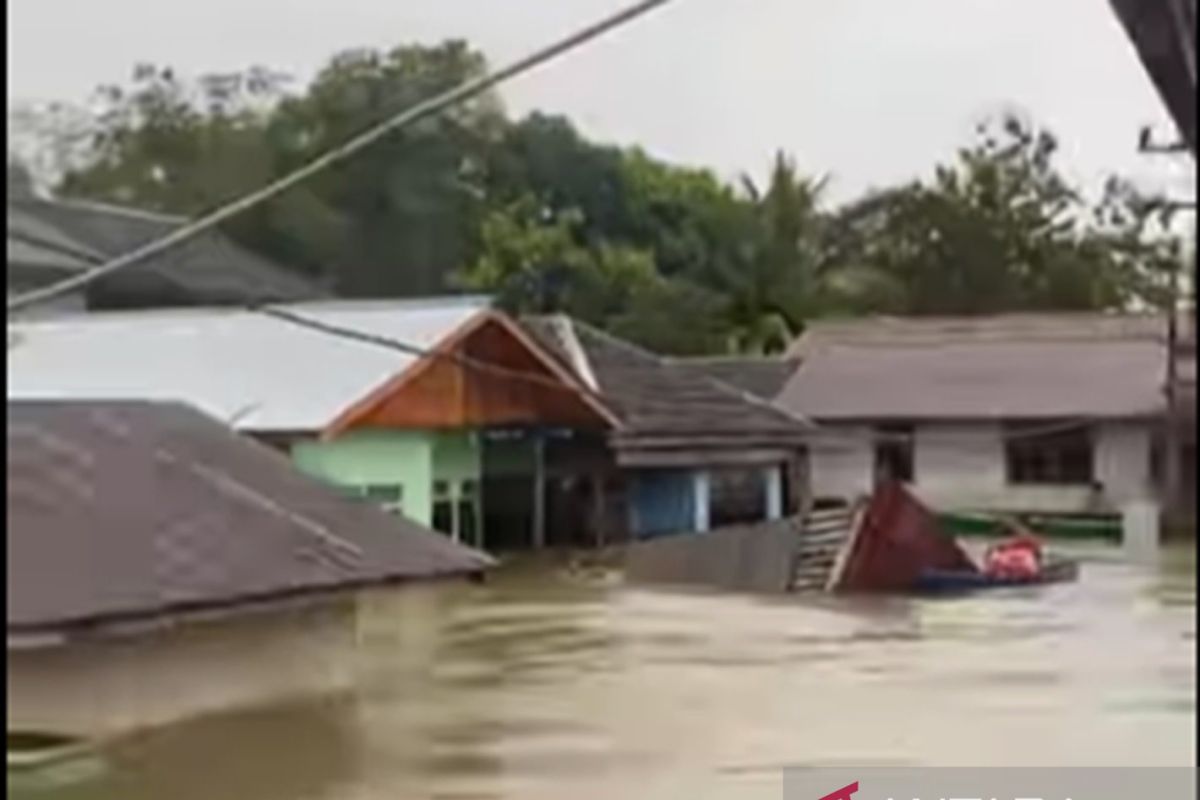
[
  {"x": 1008, "y": 367},
  {"x": 259, "y": 373},
  {"x": 128, "y": 510}
]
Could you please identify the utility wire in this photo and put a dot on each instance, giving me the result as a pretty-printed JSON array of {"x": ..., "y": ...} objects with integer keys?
[
  {"x": 420, "y": 111},
  {"x": 408, "y": 348},
  {"x": 822, "y": 433}
]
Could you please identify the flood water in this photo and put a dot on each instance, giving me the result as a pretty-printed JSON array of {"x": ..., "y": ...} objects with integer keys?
[{"x": 552, "y": 683}]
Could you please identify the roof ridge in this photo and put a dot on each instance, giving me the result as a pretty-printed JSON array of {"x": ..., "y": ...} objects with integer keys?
[
  {"x": 194, "y": 312},
  {"x": 719, "y": 385},
  {"x": 76, "y": 250},
  {"x": 581, "y": 364},
  {"x": 112, "y": 208},
  {"x": 746, "y": 359}
]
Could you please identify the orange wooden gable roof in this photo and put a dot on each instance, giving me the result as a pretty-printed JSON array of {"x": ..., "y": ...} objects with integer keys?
[{"x": 450, "y": 392}]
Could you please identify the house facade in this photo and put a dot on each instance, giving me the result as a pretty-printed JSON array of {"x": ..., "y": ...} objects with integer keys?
[
  {"x": 691, "y": 452},
  {"x": 501, "y": 434},
  {"x": 408, "y": 427},
  {"x": 150, "y": 548},
  {"x": 1023, "y": 413}
]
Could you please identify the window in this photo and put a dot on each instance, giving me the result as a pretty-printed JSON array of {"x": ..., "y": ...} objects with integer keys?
[
  {"x": 443, "y": 517},
  {"x": 894, "y": 453},
  {"x": 1042, "y": 454},
  {"x": 389, "y": 497},
  {"x": 736, "y": 496},
  {"x": 468, "y": 525}
]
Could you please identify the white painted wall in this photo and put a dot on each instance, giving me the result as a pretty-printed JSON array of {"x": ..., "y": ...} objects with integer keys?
[
  {"x": 1123, "y": 452},
  {"x": 962, "y": 466},
  {"x": 841, "y": 462},
  {"x": 101, "y": 686}
]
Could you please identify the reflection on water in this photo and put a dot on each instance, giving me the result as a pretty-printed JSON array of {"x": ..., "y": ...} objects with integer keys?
[{"x": 544, "y": 685}]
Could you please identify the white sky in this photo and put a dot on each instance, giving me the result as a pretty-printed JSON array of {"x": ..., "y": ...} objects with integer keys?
[{"x": 869, "y": 91}]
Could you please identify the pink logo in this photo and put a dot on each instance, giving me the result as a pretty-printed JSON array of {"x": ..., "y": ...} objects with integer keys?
[{"x": 844, "y": 793}]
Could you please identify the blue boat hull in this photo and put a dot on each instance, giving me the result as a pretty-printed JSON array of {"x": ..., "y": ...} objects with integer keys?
[{"x": 940, "y": 581}]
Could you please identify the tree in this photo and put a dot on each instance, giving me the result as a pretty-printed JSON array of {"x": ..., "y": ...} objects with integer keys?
[
  {"x": 396, "y": 219},
  {"x": 772, "y": 285},
  {"x": 534, "y": 211},
  {"x": 997, "y": 230},
  {"x": 532, "y": 261}
]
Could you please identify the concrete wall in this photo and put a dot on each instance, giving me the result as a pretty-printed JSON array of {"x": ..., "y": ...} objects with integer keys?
[
  {"x": 367, "y": 457},
  {"x": 753, "y": 558},
  {"x": 101, "y": 686},
  {"x": 457, "y": 456},
  {"x": 412, "y": 459},
  {"x": 962, "y": 466},
  {"x": 1123, "y": 457},
  {"x": 841, "y": 463}
]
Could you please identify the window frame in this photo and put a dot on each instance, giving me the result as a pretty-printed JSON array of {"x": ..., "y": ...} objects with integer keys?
[
  {"x": 1055, "y": 457},
  {"x": 886, "y": 444}
]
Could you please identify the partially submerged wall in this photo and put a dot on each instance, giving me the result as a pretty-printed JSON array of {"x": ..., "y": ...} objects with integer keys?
[
  {"x": 753, "y": 558},
  {"x": 108, "y": 685},
  {"x": 963, "y": 466}
]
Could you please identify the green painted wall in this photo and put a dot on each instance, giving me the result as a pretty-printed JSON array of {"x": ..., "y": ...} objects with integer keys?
[
  {"x": 412, "y": 459},
  {"x": 363, "y": 458},
  {"x": 456, "y": 456}
]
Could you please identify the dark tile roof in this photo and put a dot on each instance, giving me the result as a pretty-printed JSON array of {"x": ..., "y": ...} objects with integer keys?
[
  {"x": 655, "y": 398},
  {"x": 762, "y": 377},
  {"x": 209, "y": 269},
  {"x": 126, "y": 510}
]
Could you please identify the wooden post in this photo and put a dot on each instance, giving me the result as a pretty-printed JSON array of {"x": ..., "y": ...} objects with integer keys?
[
  {"x": 599, "y": 517},
  {"x": 539, "y": 492}
]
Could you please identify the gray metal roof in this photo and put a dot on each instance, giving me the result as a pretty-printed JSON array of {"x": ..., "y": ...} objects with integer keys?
[
  {"x": 1004, "y": 367},
  {"x": 656, "y": 398},
  {"x": 131, "y": 510},
  {"x": 257, "y": 372},
  {"x": 208, "y": 269}
]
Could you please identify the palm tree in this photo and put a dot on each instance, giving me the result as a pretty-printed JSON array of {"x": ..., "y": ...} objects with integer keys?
[{"x": 774, "y": 283}]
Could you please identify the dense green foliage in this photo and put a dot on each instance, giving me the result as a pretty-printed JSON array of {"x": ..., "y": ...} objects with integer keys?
[{"x": 548, "y": 221}]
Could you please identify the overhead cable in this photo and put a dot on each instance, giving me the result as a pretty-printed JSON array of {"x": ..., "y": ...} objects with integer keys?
[{"x": 420, "y": 111}]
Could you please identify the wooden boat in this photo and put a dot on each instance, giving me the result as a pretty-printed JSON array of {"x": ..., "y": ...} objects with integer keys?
[{"x": 1056, "y": 569}]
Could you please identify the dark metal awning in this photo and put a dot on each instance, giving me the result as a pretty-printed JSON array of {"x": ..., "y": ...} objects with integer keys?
[{"x": 1164, "y": 34}]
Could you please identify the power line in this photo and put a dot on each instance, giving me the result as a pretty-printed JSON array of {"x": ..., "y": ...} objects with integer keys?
[
  {"x": 420, "y": 111},
  {"x": 821, "y": 433},
  {"x": 398, "y": 345}
]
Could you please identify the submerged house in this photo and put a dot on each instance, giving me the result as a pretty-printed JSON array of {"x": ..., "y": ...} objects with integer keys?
[
  {"x": 50, "y": 239},
  {"x": 160, "y": 566},
  {"x": 1053, "y": 413},
  {"x": 691, "y": 451},
  {"x": 409, "y": 426},
  {"x": 503, "y": 435}
]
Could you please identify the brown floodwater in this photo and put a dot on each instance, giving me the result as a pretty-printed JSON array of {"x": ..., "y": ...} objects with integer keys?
[{"x": 552, "y": 683}]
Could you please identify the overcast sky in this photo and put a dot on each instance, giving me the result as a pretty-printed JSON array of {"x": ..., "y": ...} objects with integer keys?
[{"x": 868, "y": 91}]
